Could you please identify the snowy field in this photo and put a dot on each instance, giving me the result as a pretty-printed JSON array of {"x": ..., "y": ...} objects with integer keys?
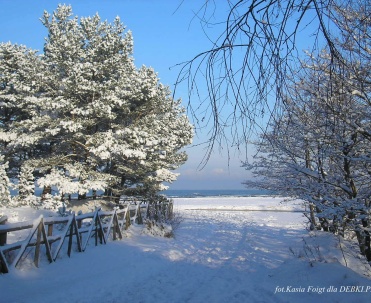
[{"x": 247, "y": 249}]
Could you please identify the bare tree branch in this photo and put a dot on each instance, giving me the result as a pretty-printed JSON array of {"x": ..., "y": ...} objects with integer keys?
[{"x": 247, "y": 66}]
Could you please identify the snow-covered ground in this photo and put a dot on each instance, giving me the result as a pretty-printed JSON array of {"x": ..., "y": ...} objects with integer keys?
[{"x": 243, "y": 249}]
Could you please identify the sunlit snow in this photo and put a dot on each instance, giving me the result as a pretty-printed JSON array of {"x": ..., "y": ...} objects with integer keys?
[{"x": 246, "y": 249}]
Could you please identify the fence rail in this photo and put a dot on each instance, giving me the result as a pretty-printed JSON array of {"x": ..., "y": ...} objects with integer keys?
[{"x": 103, "y": 226}]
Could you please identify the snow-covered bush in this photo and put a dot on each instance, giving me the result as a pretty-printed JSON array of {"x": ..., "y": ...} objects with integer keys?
[
  {"x": 159, "y": 225},
  {"x": 157, "y": 228},
  {"x": 52, "y": 202},
  {"x": 26, "y": 186}
]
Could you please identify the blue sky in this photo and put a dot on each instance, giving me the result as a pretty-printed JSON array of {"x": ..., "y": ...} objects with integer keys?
[{"x": 164, "y": 35}]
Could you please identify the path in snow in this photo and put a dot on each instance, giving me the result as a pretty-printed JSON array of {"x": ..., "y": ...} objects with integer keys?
[{"x": 219, "y": 256}]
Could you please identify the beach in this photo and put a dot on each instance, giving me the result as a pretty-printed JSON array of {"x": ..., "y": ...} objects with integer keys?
[{"x": 224, "y": 249}]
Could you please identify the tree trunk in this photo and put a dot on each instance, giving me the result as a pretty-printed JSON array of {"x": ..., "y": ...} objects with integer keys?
[
  {"x": 81, "y": 197},
  {"x": 363, "y": 237},
  {"x": 46, "y": 190},
  {"x": 312, "y": 217}
]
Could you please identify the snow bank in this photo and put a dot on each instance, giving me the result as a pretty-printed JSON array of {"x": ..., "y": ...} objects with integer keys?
[{"x": 216, "y": 256}]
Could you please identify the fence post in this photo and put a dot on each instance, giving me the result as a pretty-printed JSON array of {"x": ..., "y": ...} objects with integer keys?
[
  {"x": 127, "y": 218},
  {"x": 171, "y": 210},
  {"x": 3, "y": 236},
  {"x": 139, "y": 215},
  {"x": 38, "y": 242},
  {"x": 50, "y": 230}
]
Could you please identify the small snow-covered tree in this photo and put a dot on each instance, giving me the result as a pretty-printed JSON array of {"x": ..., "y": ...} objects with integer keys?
[{"x": 26, "y": 186}]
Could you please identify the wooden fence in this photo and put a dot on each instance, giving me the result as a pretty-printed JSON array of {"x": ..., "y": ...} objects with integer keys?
[{"x": 78, "y": 229}]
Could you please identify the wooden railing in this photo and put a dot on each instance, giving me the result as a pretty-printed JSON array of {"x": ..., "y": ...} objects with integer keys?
[{"x": 78, "y": 229}]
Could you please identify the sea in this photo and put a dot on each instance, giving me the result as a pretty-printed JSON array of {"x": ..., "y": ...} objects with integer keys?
[
  {"x": 191, "y": 193},
  {"x": 199, "y": 193}
]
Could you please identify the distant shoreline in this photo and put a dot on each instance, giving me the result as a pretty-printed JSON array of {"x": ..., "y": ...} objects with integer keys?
[
  {"x": 231, "y": 209},
  {"x": 204, "y": 193}
]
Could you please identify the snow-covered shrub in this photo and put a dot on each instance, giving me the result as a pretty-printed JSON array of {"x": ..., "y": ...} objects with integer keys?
[
  {"x": 51, "y": 202},
  {"x": 163, "y": 227},
  {"x": 26, "y": 187},
  {"x": 310, "y": 252},
  {"x": 31, "y": 201},
  {"x": 157, "y": 228}
]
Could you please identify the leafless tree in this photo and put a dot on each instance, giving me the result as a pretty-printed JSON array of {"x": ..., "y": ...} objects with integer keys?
[{"x": 246, "y": 68}]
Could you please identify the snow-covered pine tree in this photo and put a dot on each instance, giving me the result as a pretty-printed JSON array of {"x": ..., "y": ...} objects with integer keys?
[
  {"x": 94, "y": 121},
  {"x": 18, "y": 71},
  {"x": 26, "y": 186}
]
